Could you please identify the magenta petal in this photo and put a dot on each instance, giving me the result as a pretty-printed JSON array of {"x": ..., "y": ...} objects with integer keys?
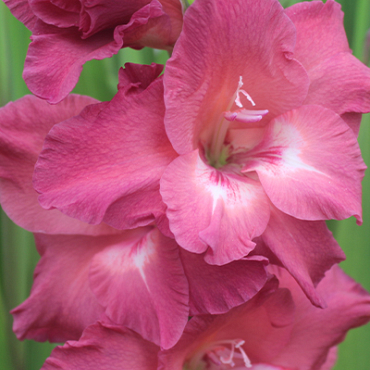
[
  {"x": 226, "y": 46},
  {"x": 54, "y": 60},
  {"x": 23, "y": 127},
  {"x": 22, "y": 11},
  {"x": 297, "y": 168},
  {"x": 217, "y": 289},
  {"x": 338, "y": 80},
  {"x": 320, "y": 31},
  {"x": 142, "y": 285},
  {"x": 59, "y": 13},
  {"x": 151, "y": 26},
  {"x": 105, "y": 347},
  {"x": 61, "y": 303},
  {"x": 211, "y": 210},
  {"x": 306, "y": 249},
  {"x": 317, "y": 330},
  {"x": 107, "y": 166}
]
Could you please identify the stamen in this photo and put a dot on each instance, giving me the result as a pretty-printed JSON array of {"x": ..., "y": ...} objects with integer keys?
[
  {"x": 247, "y": 361},
  {"x": 246, "y": 115},
  {"x": 238, "y": 91},
  {"x": 229, "y": 359}
]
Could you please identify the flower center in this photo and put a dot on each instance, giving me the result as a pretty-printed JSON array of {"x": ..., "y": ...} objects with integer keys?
[
  {"x": 219, "y": 152},
  {"x": 221, "y": 355}
]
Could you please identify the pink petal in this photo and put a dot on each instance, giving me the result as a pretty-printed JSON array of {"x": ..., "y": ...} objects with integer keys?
[
  {"x": 105, "y": 347},
  {"x": 56, "y": 55},
  {"x": 23, "y": 127},
  {"x": 297, "y": 168},
  {"x": 306, "y": 249},
  {"x": 227, "y": 46},
  {"x": 59, "y": 13},
  {"x": 320, "y": 31},
  {"x": 212, "y": 211},
  {"x": 151, "y": 26},
  {"x": 217, "y": 289},
  {"x": 341, "y": 83},
  {"x": 107, "y": 166},
  {"x": 54, "y": 60},
  {"x": 98, "y": 15},
  {"x": 61, "y": 303},
  {"x": 250, "y": 322},
  {"x": 338, "y": 80},
  {"x": 142, "y": 285},
  {"x": 331, "y": 359},
  {"x": 316, "y": 330},
  {"x": 22, "y": 11},
  {"x": 353, "y": 120}
]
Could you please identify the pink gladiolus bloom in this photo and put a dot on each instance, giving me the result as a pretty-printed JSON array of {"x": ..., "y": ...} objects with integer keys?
[
  {"x": 249, "y": 148},
  {"x": 139, "y": 278},
  {"x": 66, "y": 34},
  {"x": 262, "y": 110},
  {"x": 276, "y": 330}
]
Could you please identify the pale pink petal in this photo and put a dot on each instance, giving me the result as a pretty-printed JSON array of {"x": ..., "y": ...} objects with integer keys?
[
  {"x": 245, "y": 38},
  {"x": 320, "y": 31},
  {"x": 105, "y": 347},
  {"x": 315, "y": 330},
  {"x": 217, "y": 289},
  {"x": 23, "y": 127},
  {"x": 142, "y": 285},
  {"x": 107, "y": 166},
  {"x": 213, "y": 211},
  {"x": 306, "y": 249},
  {"x": 54, "y": 60},
  {"x": 298, "y": 170},
  {"x": 61, "y": 303}
]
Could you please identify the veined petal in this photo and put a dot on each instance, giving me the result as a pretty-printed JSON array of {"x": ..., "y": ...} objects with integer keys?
[
  {"x": 341, "y": 83},
  {"x": 22, "y": 11},
  {"x": 217, "y": 289},
  {"x": 310, "y": 165},
  {"x": 107, "y": 166},
  {"x": 54, "y": 60},
  {"x": 229, "y": 40},
  {"x": 105, "y": 347},
  {"x": 307, "y": 249},
  {"x": 211, "y": 210},
  {"x": 57, "y": 12},
  {"x": 316, "y": 330},
  {"x": 320, "y": 31},
  {"x": 153, "y": 25},
  {"x": 23, "y": 127},
  {"x": 61, "y": 303},
  {"x": 142, "y": 285}
]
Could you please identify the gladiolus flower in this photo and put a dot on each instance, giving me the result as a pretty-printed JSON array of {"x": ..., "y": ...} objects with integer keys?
[
  {"x": 138, "y": 278},
  {"x": 66, "y": 34},
  {"x": 276, "y": 330},
  {"x": 246, "y": 148}
]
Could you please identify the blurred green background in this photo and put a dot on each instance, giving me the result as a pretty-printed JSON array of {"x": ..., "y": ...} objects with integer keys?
[{"x": 18, "y": 256}]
